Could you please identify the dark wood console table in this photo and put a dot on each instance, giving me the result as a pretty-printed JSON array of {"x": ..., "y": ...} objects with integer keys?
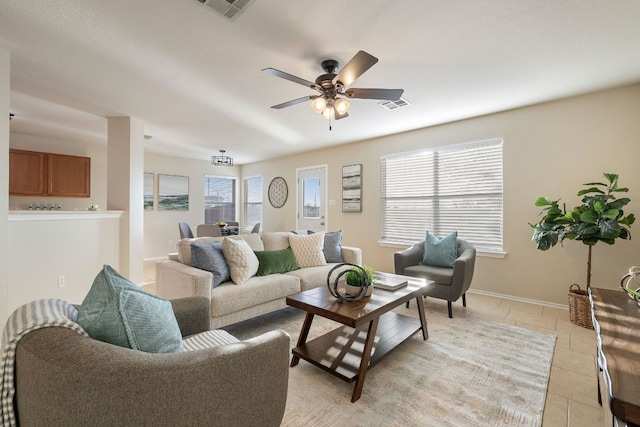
[{"x": 616, "y": 319}]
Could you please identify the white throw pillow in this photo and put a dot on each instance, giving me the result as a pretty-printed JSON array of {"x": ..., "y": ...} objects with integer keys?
[
  {"x": 308, "y": 249},
  {"x": 243, "y": 262}
]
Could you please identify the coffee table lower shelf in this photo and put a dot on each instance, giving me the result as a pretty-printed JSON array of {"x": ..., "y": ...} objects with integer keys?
[{"x": 339, "y": 352}]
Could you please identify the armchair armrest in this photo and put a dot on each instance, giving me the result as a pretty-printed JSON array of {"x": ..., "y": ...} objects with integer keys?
[
  {"x": 408, "y": 257},
  {"x": 193, "y": 314},
  {"x": 176, "y": 280},
  {"x": 463, "y": 269}
]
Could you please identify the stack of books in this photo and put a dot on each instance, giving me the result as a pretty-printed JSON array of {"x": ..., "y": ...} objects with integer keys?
[{"x": 389, "y": 282}]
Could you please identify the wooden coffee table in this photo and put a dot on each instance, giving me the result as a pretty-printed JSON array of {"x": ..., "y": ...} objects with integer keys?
[{"x": 371, "y": 329}]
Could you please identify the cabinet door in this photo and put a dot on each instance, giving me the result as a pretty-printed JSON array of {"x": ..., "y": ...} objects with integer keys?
[
  {"x": 68, "y": 176},
  {"x": 26, "y": 173}
]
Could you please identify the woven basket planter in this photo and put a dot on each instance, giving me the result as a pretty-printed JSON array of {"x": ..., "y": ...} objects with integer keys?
[{"x": 579, "y": 307}]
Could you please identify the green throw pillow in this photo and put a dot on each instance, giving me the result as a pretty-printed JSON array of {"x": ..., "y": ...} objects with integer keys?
[
  {"x": 440, "y": 252},
  {"x": 272, "y": 262},
  {"x": 118, "y": 312}
]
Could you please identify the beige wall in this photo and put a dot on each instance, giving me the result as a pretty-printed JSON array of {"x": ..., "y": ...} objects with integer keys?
[
  {"x": 161, "y": 227},
  {"x": 550, "y": 150},
  {"x": 98, "y": 155}
]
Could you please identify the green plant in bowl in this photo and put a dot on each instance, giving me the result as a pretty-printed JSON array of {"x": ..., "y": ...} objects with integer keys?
[{"x": 354, "y": 277}]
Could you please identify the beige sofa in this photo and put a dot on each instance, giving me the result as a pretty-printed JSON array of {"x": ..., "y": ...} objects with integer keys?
[{"x": 231, "y": 303}]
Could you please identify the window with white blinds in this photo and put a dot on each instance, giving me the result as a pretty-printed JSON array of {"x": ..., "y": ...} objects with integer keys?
[
  {"x": 454, "y": 188},
  {"x": 219, "y": 199},
  {"x": 252, "y": 201}
]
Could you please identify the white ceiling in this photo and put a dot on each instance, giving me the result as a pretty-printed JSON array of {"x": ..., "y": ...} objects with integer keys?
[{"x": 193, "y": 77}]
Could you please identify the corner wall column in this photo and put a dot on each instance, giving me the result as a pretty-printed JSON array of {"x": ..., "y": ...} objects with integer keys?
[
  {"x": 4, "y": 184},
  {"x": 125, "y": 171}
]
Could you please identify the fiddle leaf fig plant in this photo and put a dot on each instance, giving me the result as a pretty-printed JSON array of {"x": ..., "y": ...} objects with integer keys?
[{"x": 600, "y": 218}]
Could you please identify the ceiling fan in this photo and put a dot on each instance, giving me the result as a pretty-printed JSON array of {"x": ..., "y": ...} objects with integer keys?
[{"x": 334, "y": 88}]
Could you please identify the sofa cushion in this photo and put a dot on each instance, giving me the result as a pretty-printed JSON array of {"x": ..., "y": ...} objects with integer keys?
[
  {"x": 209, "y": 257},
  {"x": 184, "y": 245},
  {"x": 118, "y": 312},
  {"x": 308, "y": 249},
  {"x": 229, "y": 298},
  {"x": 440, "y": 252},
  {"x": 275, "y": 240},
  {"x": 272, "y": 262},
  {"x": 313, "y": 277},
  {"x": 242, "y": 261}
]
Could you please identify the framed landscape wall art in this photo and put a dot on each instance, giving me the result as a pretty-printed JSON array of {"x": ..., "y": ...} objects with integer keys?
[
  {"x": 173, "y": 193},
  {"x": 352, "y": 188},
  {"x": 149, "y": 188}
]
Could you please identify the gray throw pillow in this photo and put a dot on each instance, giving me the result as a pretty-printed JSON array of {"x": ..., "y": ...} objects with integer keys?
[
  {"x": 333, "y": 246},
  {"x": 209, "y": 257},
  {"x": 118, "y": 312}
]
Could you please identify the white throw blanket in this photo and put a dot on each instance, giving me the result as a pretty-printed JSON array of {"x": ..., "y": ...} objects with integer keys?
[{"x": 38, "y": 314}]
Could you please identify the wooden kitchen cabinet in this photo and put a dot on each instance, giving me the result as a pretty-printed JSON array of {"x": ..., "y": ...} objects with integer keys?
[
  {"x": 33, "y": 173},
  {"x": 27, "y": 170}
]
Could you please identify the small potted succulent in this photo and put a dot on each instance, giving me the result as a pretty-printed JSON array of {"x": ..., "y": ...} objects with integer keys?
[{"x": 356, "y": 278}]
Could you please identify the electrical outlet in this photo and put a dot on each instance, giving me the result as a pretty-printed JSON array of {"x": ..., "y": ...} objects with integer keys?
[
  {"x": 170, "y": 242},
  {"x": 60, "y": 281}
]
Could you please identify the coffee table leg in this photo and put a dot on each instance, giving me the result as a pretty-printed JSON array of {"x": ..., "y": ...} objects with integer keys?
[
  {"x": 303, "y": 337},
  {"x": 423, "y": 318},
  {"x": 366, "y": 356}
]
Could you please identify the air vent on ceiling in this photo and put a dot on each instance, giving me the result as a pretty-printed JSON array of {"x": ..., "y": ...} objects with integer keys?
[
  {"x": 230, "y": 9},
  {"x": 392, "y": 105}
]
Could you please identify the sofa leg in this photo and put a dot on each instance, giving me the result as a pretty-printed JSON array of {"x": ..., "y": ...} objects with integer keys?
[
  {"x": 450, "y": 309},
  {"x": 407, "y": 304},
  {"x": 464, "y": 300}
]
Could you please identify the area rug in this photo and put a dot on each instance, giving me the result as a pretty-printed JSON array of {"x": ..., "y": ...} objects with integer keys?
[{"x": 470, "y": 372}]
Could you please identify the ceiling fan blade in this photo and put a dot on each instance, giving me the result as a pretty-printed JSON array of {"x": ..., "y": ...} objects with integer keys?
[
  {"x": 360, "y": 63},
  {"x": 386, "y": 94},
  {"x": 294, "y": 102},
  {"x": 290, "y": 77}
]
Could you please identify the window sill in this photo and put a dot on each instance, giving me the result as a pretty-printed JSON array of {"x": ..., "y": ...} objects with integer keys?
[{"x": 480, "y": 253}]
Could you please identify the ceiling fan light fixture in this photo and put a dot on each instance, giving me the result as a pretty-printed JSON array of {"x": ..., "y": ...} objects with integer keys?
[
  {"x": 318, "y": 104},
  {"x": 342, "y": 106},
  {"x": 328, "y": 113},
  {"x": 222, "y": 160}
]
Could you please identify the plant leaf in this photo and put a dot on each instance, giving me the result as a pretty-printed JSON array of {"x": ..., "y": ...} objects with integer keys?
[
  {"x": 542, "y": 201},
  {"x": 590, "y": 190}
]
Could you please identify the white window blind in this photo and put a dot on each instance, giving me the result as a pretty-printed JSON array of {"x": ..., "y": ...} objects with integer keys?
[
  {"x": 219, "y": 199},
  {"x": 252, "y": 201},
  {"x": 454, "y": 188}
]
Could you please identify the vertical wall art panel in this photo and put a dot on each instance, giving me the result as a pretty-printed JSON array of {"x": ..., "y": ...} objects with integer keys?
[
  {"x": 173, "y": 193},
  {"x": 149, "y": 191},
  {"x": 352, "y": 188}
]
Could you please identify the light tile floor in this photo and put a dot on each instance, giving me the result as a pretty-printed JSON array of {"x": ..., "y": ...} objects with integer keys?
[{"x": 572, "y": 392}]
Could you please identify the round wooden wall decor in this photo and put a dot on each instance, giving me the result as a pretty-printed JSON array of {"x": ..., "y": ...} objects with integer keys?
[{"x": 278, "y": 192}]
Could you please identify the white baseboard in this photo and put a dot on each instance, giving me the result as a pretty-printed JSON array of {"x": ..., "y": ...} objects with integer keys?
[{"x": 512, "y": 298}]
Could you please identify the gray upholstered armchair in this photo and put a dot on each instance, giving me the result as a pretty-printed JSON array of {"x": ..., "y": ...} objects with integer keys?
[
  {"x": 450, "y": 283},
  {"x": 63, "y": 378}
]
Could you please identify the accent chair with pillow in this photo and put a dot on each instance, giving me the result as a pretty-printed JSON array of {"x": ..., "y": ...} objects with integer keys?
[
  {"x": 449, "y": 262},
  {"x": 64, "y": 377}
]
